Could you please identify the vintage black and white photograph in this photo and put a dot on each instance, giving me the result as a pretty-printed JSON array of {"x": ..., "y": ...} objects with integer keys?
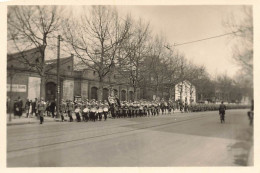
[{"x": 129, "y": 86}]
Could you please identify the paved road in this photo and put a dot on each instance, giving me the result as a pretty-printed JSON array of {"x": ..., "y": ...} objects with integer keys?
[{"x": 193, "y": 139}]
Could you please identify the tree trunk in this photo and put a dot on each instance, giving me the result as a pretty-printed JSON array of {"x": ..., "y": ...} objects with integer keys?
[
  {"x": 100, "y": 89},
  {"x": 42, "y": 88},
  {"x": 135, "y": 93}
]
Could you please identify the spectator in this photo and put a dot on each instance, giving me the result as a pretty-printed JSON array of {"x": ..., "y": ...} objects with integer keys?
[
  {"x": 27, "y": 108},
  {"x": 52, "y": 107}
]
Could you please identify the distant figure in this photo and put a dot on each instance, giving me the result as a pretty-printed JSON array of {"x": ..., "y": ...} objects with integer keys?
[
  {"x": 27, "y": 107},
  {"x": 52, "y": 108},
  {"x": 252, "y": 105},
  {"x": 18, "y": 106},
  {"x": 181, "y": 106},
  {"x": 41, "y": 109},
  {"x": 7, "y": 104},
  {"x": 251, "y": 113},
  {"x": 222, "y": 111},
  {"x": 34, "y": 107},
  {"x": 186, "y": 107},
  {"x": 222, "y": 108}
]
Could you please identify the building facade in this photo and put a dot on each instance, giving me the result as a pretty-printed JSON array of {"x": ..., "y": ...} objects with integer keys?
[
  {"x": 25, "y": 79},
  {"x": 185, "y": 92}
]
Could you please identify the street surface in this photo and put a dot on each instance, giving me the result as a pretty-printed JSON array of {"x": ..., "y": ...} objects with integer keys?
[{"x": 188, "y": 139}]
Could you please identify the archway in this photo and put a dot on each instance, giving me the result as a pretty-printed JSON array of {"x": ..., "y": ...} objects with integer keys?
[
  {"x": 50, "y": 91},
  {"x": 131, "y": 96},
  {"x": 115, "y": 92},
  {"x": 123, "y": 95},
  {"x": 94, "y": 94},
  {"x": 105, "y": 94}
]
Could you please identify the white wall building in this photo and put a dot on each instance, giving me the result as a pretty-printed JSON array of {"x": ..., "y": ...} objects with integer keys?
[{"x": 185, "y": 91}]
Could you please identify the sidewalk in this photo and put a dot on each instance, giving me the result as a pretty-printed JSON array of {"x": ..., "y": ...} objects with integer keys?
[
  {"x": 23, "y": 120},
  {"x": 31, "y": 120},
  {"x": 250, "y": 161}
]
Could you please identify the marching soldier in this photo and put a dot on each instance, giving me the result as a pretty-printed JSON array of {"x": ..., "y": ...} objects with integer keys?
[
  {"x": 77, "y": 112},
  {"x": 157, "y": 108},
  {"x": 141, "y": 109},
  {"x": 100, "y": 110},
  {"x": 41, "y": 109},
  {"x": 62, "y": 109},
  {"x": 70, "y": 108},
  {"x": 130, "y": 109},
  {"x": 135, "y": 107},
  {"x": 85, "y": 112},
  {"x": 149, "y": 109},
  {"x": 105, "y": 109},
  {"x": 93, "y": 110},
  {"x": 162, "y": 106},
  {"x": 125, "y": 109}
]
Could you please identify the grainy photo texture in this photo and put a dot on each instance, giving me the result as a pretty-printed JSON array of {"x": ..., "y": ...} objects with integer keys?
[{"x": 129, "y": 86}]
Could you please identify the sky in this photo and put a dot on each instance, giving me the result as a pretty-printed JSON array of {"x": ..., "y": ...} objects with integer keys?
[{"x": 180, "y": 24}]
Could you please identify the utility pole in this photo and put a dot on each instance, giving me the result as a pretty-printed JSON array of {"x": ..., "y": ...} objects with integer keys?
[
  {"x": 11, "y": 92},
  {"x": 58, "y": 79}
]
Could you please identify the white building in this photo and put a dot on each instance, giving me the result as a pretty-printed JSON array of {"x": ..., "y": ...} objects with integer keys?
[{"x": 185, "y": 91}]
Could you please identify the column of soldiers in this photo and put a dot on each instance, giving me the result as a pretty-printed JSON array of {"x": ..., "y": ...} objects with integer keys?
[
  {"x": 92, "y": 110},
  {"x": 84, "y": 110}
]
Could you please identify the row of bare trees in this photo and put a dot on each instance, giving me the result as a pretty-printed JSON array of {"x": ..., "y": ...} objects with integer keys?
[{"x": 104, "y": 41}]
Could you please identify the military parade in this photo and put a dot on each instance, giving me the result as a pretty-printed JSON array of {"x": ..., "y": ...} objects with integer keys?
[
  {"x": 93, "y": 110},
  {"x": 129, "y": 85}
]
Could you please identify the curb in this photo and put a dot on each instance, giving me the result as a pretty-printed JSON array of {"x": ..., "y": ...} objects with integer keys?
[
  {"x": 29, "y": 122},
  {"x": 250, "y": 161}
]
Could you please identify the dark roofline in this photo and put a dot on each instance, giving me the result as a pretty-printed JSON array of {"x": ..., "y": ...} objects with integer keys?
[
  {"x": 61, "y": 59},
  {"x": 36, "y": 49}
]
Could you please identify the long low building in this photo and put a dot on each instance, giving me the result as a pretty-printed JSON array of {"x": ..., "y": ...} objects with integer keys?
[{"x": 25, "y": 78}]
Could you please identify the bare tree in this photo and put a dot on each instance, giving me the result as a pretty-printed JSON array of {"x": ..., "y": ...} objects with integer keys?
[
  {"x": 132, "y": 56},
  {"x": 32, "y": 27},
  {"x": 242, "y": 27},
  {"x": 96, "y": 38}
]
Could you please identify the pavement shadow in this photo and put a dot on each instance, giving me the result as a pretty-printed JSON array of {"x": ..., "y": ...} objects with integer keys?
[{"x": 241, "y": 149}]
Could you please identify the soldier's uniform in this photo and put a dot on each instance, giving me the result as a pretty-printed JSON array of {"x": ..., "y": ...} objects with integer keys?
[
  {"x": 162, "y": 106},
  {"x": 157, "y": 108},
  {"x": 124, "y": 108},
  {"x": 62, "y": 109},
  {"x": 149, "y": 108},
  {"x": 85, "y": 112},
  {"x": 77, "y": 112},
  {"x": 105, "y": 110},
  {"x": 130, "y": 110},
  {"x": 100, "y": 110},
  {"x": 141, "y": 109},
  {"x": 70, "y": 108},
  {"x": 93, "y": 110},
  {"x": 41, "y": 109}
]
